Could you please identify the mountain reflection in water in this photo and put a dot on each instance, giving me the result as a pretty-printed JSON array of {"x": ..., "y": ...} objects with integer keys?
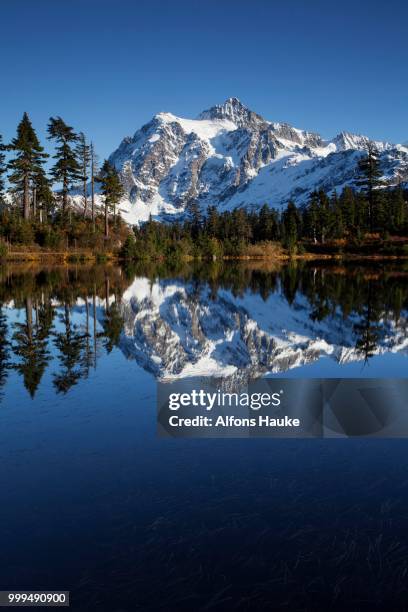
[{"x": 236, "y": 321}]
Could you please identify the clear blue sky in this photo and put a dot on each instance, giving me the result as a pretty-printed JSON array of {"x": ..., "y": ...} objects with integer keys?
[{"x": 107, "y": 67}]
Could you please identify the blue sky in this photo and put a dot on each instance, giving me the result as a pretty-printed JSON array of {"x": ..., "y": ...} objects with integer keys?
[{"x": 107, "y": 67}]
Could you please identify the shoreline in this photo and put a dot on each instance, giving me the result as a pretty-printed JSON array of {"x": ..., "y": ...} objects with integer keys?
[
  {"x": 67, "y": 257},
  {"x": 63, "y": 257}
]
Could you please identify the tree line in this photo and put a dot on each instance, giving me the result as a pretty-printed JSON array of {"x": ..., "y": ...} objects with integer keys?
[
  {"x": 30, "y": 200},
  {"x": 348, "y": 218}
]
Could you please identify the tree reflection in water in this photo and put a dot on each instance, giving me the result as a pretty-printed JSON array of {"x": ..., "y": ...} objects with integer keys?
[{"x": 70, "y": 315}]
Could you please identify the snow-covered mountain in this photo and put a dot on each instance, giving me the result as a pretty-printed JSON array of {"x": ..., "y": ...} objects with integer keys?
[{"x": 231, "y": 157}]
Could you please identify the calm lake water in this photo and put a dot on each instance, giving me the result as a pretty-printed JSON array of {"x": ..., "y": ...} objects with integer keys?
[{"x": 94, "y": 503}]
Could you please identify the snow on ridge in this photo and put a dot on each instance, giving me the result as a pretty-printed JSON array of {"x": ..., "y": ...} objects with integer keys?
[{"x": 206, "y": 129}]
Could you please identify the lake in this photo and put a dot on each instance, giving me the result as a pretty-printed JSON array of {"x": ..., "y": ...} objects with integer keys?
[{"x": 93, "y": 502}]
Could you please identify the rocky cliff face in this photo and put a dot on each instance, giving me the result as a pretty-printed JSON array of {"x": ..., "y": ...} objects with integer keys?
[{"x": 230, "y": 157}]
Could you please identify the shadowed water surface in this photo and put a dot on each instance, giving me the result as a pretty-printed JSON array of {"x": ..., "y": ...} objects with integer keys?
[{"x": 94, "y": 503}]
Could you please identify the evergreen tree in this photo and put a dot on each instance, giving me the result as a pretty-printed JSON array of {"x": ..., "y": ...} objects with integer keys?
[
  {"x": 212, "y": 222},
  {"x": 241, "y": 225},
  {"x": 28, "y": 162},
  {"x": 382, "y": 220},
  {"x": 66, "y": 169},
  {"x": 266, "y": 224},
  {"x": 291, "y": 226},
  {"x": 112, "y": 191},
  {"x": 336, "y": 217},
  {"x": 83, "y": 151},
  {"x": 370, "y": 180},
  {"x": 325, "y": 219},
  {"x": 361, "y": 215},
  {"x": 129, "y": 249},
  {"x": 398, "y": 210},
  {"x": 196, "y": 219},
  {"x": 312, "y": 218},
  {"x": 347, "y": 206},
  {"x": 43, "y": 197}
]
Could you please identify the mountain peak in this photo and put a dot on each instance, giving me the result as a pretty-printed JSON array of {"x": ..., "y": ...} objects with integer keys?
[
  {"x": 234, "y": 110},
  {"x": 234, "y": 103},
  {"x": 232, "y": 158}
]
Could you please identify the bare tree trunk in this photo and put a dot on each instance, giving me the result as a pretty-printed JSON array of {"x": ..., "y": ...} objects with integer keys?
[
  {"x": 106, "y": 221},
  {"x": 93, "y": 185},
  {"x": 26, "y": 198},
  {"x": 85, "y": 196},
  {"x": 64, "y": 196},
  {"x": 34, "y": 202}
]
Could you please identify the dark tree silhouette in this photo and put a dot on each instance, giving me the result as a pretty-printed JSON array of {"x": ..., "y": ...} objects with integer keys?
[
  {"x": 70, "y": 344},
  {"x": 28, "y": 162},
  {"x": 30, "y": 345}
]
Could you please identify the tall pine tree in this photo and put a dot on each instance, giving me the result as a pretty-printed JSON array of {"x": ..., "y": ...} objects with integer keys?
[
  {"x": 43, "y": 197},
  {"x": 66, "y": 169},
  {"x": 291, "y": 226},
  {"x": 370, "y": 180},
  {"x": 347, "y": 203},
  {"x": 28, "y": 162},
  {"x": 112, "y": 191},
  {"x": 83, "y": 151},
  {"x": 311, "y": 217},
  {"x": 399, "y": 209}
]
